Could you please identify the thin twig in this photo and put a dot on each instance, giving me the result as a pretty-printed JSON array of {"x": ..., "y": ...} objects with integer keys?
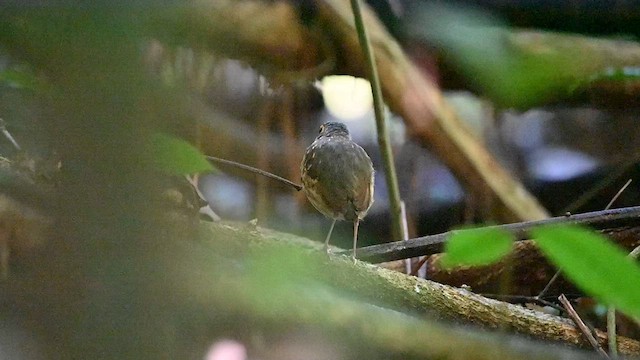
[
  {"x": 381, "y": 126},
  {"x": 8, "y": 135},
  {"x": 617, "y": 195},
  {"x": 546, "y": 287},
  {"x": 612, "y": 334},
  {"x": 591, "y": 193},
  {"x": 256, "y": 171},
  {"x": 422, "y": 260},
  {"x": 611, "y": 312},
  {"x": 405, "y": 230},
  {"x": 581, "y": 325},
  {"x": 204, "y": 210}
]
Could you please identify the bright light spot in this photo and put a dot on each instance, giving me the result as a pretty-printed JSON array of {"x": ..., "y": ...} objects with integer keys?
[
  {"x": 227, "y": 350},
  {"x": 346, "y": 97},
  {"x": 560, "y": 164}
]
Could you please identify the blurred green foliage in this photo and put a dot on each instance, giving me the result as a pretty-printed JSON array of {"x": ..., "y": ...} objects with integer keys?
[
  {"x": 626, "y": 75},
  {"x": 19, "y": 77},
  {"x": 482, "y": 49},
  {"x": 474, "y": 247},
  {"x": 97, "y": 287},
  {"x": 176, "y": 156},
  {"x": 594, "y": 264}
]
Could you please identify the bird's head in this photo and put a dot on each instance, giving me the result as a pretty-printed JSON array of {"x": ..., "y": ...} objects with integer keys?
[{"x": 332, "y": 128}]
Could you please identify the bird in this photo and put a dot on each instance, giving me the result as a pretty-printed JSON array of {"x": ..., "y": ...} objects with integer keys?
[{"x": 338, "y": 178}]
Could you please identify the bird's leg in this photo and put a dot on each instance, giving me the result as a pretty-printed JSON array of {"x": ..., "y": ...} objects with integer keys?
[
  {"x": 355, "y": 238},
  {"x": 326, "y": 242}
]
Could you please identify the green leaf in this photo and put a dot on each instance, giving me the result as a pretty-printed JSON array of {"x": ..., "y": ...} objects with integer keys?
[
  {"x": 594, "y": 264},
  {"x": 176, "y": 156},
  {"x": 476, "y": 247}
]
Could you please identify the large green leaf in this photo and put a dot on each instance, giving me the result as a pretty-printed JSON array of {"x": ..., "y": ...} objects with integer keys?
[
  {"x": 475, "y": 247},
  {"x": 176, "y": 156},
  {"x": 594, "y": 264}
]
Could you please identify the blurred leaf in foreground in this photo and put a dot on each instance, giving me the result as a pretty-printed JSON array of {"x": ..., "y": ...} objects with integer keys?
[
  {"x": 18, "y": 78},
  {"x": 627, "y": 77},
  {"x": 177, "y": 156},
  {"x": 482, "y": 49},
  {"x": 594, "y": 264},
  {"x": 474, "y": 247}
]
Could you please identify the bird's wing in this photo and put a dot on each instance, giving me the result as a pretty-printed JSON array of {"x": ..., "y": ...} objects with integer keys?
[{"x": 343, "y": 175}]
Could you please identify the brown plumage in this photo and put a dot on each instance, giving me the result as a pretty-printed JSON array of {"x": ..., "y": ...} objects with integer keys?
[{"x": 337, "y": 177}]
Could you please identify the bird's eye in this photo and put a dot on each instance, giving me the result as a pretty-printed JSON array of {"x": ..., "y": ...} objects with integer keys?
[{"x": 321, "y": 129}]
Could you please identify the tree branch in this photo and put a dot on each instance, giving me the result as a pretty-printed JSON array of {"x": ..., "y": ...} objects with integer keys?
[{"x": 397, "y": 291}]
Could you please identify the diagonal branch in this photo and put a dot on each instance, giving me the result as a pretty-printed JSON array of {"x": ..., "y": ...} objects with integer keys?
[{"x": 582, "y": 326}]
